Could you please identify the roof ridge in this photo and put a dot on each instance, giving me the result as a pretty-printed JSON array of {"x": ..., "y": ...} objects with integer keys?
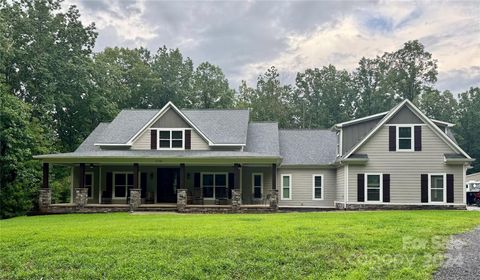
[
  {"x": 214, "y": 109},
  {"x": 304, "y": 129}
]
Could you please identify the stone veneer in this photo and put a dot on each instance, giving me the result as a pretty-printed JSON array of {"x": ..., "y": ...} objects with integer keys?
[
  {"x": 236, "y": 200},
  {"x": 81, "y": 197},
  {"x": 45, "y": 199},
  {"x": 181, "y": 199},
  {"x": 135, "y": 198},
  {"x": 273, "y": 199}
]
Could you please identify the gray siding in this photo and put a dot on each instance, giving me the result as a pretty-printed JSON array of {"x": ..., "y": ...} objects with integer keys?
[
  {"x": 302, "y": 187},
  {"x": 340, "y": 184},
  {"x": 405, "y": 116},
  {"x": 405, "y": 167},
  {"x": 355, "y": 133},
  {"x": 170, "y": 119},
  {"x": 247, "y": 186}
]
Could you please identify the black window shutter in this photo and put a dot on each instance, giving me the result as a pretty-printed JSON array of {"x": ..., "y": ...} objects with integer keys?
[
  {"x": 360, "y": 187},
  {"x": 386, "y": 187},
  {"x": 143, "y": 184},
  {"x": 424, "y": 187},
  {"x": 188, "y": 139},
  {"x": 450, "y": 188},
  {"x": 392, "y": 138},
  {"x": 196, "y": 180},
  {"x": 153, "y": 139},
  {"x": 109, "y": 182},
  {"x": 231, "y": 184},
  {"x": 418, "y": 137}
]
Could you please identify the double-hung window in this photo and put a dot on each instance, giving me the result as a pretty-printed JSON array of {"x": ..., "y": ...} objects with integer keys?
[
  {"x": 89, "y": 183},
  {"x": 404, "y": 138},
  {"x": 171, "y": 139},
  {"x": 373, "y": 188},
  {"x": 122, "y": 183},
  {"x": 317, "y": 187},
  {"x": 437, "y": 183},
  {"x": 257, "y": 183},
  {"x": 214, "y": 185},
  {"x": 286, "y": 187}
]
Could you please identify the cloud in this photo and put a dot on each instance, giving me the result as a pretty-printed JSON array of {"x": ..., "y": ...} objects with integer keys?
[{"x": 246, "y": 38}]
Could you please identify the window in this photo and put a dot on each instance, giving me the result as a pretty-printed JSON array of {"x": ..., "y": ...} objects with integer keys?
[
  {"x": 257, "y": 183},
  {"x": 373, "y": 187},
  {"x": 89, "y": 183},
  {"x": 122, "y": 183},
  {"x": 404, "y": 138},
  {"x": 286, "y": 187},
  {"x": 214, "y": 185},
  {"x": 437, "y": 183},
  {"x": 317, "y": 187},
  {"x": 171, "y": 139}
]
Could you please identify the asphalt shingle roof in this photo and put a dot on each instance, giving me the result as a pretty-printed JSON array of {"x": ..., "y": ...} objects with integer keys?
[
  {"x": 263, "y": 138},
  {"x": 125, "y": 125},
  {"x": 308, "y": 147},
  {"x": 88, "y": 144}
]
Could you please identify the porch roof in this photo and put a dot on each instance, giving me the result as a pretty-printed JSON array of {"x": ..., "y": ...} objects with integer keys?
[{"x": 154, "y": 156}]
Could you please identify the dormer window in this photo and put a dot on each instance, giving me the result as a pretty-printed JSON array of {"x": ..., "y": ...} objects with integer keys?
[
  {"x": 404, "y": 138},
  {"x": 171, "y": 139}
]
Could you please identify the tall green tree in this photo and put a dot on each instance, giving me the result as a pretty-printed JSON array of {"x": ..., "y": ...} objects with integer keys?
[
  {"x": 325, "y": 96},
  {"x": 270, "y": 100},
  {"x": 210, "y": 88},
  {"x": 49, "y": 63},
  {"x": 468, "y": 125},
  {"x": 21, "y": 137},
  {"x": 438, "y": 105}
]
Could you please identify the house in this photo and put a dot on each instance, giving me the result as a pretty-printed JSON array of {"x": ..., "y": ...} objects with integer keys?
[
  {"x": 218, "y": 159},
  {"x": 472, "y": 187}
]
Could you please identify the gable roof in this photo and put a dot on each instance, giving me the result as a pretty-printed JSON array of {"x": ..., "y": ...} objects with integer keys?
[
  {"x": 263, "y": 138},
  {"x": 308, "y": 147},
  {"x": 419, "y": 114},
  {"x": 216, "y": 127},
  {"x": 88, "y": 144}
]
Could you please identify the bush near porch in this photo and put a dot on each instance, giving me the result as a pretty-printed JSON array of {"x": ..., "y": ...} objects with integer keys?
[{"x": 351, "y": 245}]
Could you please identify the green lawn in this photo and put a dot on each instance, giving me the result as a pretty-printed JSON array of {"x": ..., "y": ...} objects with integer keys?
[{"x": 351, "y": 245}]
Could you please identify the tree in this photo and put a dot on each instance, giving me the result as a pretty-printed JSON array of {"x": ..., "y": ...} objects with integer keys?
[
  {"x": 21, "y": 136},
  {"x": 210, "y": 88},
  {"x": 468, "y": 125},
  {"x": 324, "y": 96},
  {"x": 270, "y": 100},
  {"x": 438, "y": 105}
]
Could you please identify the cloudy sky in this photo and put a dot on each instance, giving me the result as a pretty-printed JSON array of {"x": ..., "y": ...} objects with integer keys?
[{"x": 246, "y": 37}]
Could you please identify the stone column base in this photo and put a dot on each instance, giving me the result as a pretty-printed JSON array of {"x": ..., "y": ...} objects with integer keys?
[
  {"x": 273, "y": 200},
  {"x": 81, "y": 197},
  {"x": 181, "y": 199},
  {"x": 135, "y": 199},
  {"x": 44, "y": 199},
  {"x": 236, "y": 200}
]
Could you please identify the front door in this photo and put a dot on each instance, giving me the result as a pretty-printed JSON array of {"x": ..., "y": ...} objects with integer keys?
[{"x": 168, "y": 180}]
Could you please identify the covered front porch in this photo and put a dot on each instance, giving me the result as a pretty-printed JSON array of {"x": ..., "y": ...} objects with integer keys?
[{"x": 98, "y": 186}]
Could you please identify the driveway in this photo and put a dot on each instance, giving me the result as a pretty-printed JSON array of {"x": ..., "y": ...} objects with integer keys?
[{"x": 462, "y": 258}]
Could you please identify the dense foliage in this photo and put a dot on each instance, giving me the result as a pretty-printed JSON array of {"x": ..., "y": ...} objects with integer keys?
[{"x": 56, "y": 90}]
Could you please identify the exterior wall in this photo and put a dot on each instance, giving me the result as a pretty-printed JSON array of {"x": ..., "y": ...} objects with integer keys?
[
  {"x": 355, "y": 133},
  {"x": 302, "y": 187},
  {"x": 170, "y": 119},
  {"x": 247, "y": 184},
  {"x": 340, "y": 186},
  {"x": 405, "y": 116},
  {"x": 405, "y": 167},
  {"x": 198, "y": 143},
  {"x": 96, "y": 181}
]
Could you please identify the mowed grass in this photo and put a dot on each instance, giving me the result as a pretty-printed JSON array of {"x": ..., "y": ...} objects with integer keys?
[{"x": 328, "y": 245}]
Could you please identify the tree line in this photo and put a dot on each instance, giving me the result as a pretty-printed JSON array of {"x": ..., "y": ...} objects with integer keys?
[{"x": 55, "y": 90}]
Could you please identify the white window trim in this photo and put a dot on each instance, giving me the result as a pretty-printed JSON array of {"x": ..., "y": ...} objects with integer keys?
[
  {"x": 313, "y": 186},
  {"x": 171, "y": 130},
  {"x": 253, "y": 185},
  {"x": 290, "y": 187},
  {"x": 214, "y": 183},
  {"x": 126, "y": 184},
  {"x": 93, "y": 182},
  {"x": 366, "y": 187},
  {"x": 444, "y": 188},
  {"x": 412, "y": 135}
]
